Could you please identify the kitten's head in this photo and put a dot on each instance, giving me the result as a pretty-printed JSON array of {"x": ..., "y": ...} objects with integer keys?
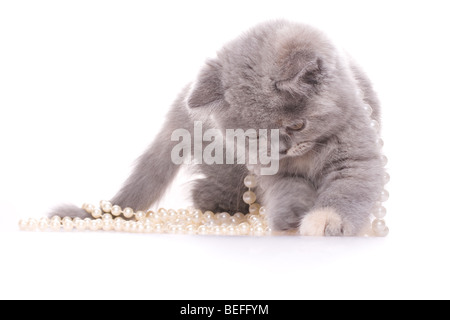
[{"x": 278, "y": 75}]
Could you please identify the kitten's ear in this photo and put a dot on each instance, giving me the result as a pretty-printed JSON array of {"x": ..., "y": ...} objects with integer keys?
[
  {"x": 312, "y": 74},
  {"x": 207, "y": 90}
]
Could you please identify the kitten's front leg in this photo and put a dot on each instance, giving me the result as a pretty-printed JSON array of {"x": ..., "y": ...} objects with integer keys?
[
  {"x": 344, "y": 201},
  {"x": 287, "y": 199}
]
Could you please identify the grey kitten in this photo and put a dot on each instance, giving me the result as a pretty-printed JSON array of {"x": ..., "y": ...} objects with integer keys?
[{"x": 286, "y": 76}]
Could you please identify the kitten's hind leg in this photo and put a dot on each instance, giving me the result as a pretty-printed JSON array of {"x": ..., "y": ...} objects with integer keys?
[{"x": 221, "y": 189}]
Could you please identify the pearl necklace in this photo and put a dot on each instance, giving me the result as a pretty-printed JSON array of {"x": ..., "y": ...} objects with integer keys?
[
  {"x": 378, "y": 227},
  {"x": 106, "y": 217}
]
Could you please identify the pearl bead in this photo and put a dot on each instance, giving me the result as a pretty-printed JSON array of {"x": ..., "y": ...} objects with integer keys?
[
  {"x": 382, "y": 233},
  {"x": 209, "y": 215},
  {"x": 196, "y": 213},
  {"x": 210, "y": 223},
  {"x": 386, "y": 178},
  {"x": 231, "y": 230},
  {"x": 150, "y": 213},
  {"x": 254, "y": 220},
  {"x": 258, "y": 231},
  {"x": 244, "y": 228},
  {"x": 67, "y": 224},
  {"x": 116, "y": 210},
  {"x": 384, "y": 160},
  {"x": 118, "y": 224},
  {"x": 159, "y": 228},
  {"x": 368, "y": 109},
  {"x": 197, "y": 217},
  {"x": 173, "y": 215},
  {"x": 88, "y": 221},
  {"x": 254, "y": 208},
  {"x": 223, "y": 229},
  {"x": 140, "y": 227},
  {"x": 108, "y": 225},
  {"x": 180, "y": 229},
  {"x": 157, "y": 218},
  {"x": 379, "y": 212},
  {"x": 107, "y": 217},
  {"x": 249, "y": 197},
  {"x": 22, "y": 224},
  {"x": 133, "y": 226},
  {"x": 234, "y": 220},
  {"x": 56, "y": 218},
  {"x": 223, "y": 217},
  {"x": 178, "y": 220},
  {"x": 239, "y": 215},
  {"x": 95, "y": 225},
  {"x": 127, "y": 226},
  {"x": 80, "y": 224},
  {"x": 263, "y": 211},
  {"x": 148, "y": 228},
  {"x": 128, "y": 213},
  {"x": 31, "y": 224},
  {"x": 140, "y": 215},
  {"x": 190, "y": 209},
  {"x": 250, "y": 181},
  {"x": 190, "y": 229},
  {"x": 375, "y": 125},
  {"x": 183, "y": 212},
  {"x": 106, "y": 206},
  {"x": 43, "y": 224},
  {"x": 163, "y": 213},
  {"x": 384, "y": 196},
  {"x": 202, "y": 230},
  {"x": 96, "y": 213},
  {"x": 378, "y": 225},
  {"x": 55, "y": 224},
  {"x": 88, "y": 207},
  {"x": 216, "y": 230}
]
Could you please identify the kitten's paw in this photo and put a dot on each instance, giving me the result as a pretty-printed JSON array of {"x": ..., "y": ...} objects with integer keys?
[{"x": 322, "y": 222}]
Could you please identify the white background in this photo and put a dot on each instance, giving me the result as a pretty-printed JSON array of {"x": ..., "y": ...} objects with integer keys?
[{"x": 84, "y": 86}]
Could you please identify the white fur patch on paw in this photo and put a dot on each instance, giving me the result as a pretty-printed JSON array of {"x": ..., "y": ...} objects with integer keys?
[{"x": 321, "y": 222}]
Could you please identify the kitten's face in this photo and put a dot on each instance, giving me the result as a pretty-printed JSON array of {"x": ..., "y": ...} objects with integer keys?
[
  {"x": 272, "y": 82},
  {"x": 262, "y": 103}
]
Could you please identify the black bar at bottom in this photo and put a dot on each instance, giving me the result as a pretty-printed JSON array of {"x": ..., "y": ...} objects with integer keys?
[{"x": 223, "y": 309}]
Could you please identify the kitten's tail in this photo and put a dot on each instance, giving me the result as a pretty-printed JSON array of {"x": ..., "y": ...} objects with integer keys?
[{"x": 153, "y": 173}]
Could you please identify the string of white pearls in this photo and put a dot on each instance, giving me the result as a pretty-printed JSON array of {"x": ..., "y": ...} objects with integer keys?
[
  {"x": 379, "y": 227},
  {"x": 107, "y": 217}
]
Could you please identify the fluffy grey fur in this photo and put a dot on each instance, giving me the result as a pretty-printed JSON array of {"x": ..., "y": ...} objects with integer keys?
[{"x": 275, "y": 76}]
